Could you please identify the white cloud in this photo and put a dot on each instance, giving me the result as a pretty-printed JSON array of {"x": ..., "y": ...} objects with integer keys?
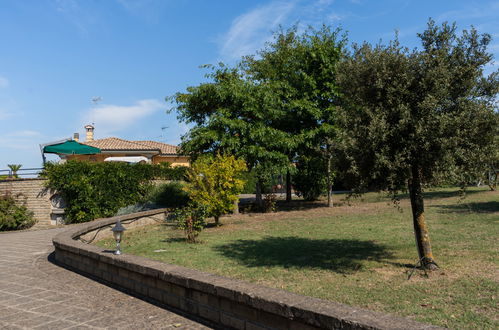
[
  {"x": 24, "y": 133},
  {"x": 251, "y": 30},
  {"x": 4, "y": 82},
  {"x": 111, "y": 118}
]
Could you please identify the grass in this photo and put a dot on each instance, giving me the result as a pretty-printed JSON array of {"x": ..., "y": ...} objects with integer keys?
[{"x": 358, "y": 253}]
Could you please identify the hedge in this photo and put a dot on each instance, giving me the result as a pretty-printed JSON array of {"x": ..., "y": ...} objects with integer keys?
[{"x": 97, "y": 190}]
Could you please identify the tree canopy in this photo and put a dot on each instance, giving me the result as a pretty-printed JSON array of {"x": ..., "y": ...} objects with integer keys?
[
  {"x": 390, "y": 118},
  {"x": 272, "y": 107},
  {"x": 413, "y": 117}
]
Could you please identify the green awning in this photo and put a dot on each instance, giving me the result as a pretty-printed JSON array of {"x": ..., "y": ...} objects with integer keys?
[{"x": 70, "y": 148}]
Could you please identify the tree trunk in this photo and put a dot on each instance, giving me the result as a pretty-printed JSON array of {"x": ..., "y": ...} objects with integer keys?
[
  {"x": 259, "y": 200},
  {"x": 217, "y": 220},
  {"x": 492, "y": 181},
  {"x": 236, "y": 206},
  {"x": 288, "y": 187},
  {"x": 329, "y": 182},
  {"x": 420, "y": 227}
]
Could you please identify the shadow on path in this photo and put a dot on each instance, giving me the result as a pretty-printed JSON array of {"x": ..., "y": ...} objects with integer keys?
[{"x": 339, "y": 255}]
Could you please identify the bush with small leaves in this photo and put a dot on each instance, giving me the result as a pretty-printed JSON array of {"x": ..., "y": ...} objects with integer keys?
[
  {"x": 171, "y": 195},
  {"x": 269, "y": 203},
  {"x": 13, "y": 214},
  {"x": 215, "y": 182},
  {"x": 191, "y": 220}
]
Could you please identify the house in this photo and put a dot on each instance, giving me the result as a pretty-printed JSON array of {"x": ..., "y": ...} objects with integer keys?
[{"x": 151, "y": 151}]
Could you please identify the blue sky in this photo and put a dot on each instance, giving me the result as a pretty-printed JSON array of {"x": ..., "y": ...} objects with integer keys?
[{"x": 56, "y": 55}]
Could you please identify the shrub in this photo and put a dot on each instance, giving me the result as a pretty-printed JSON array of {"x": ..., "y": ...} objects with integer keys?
[
  {"x": 215, "y": 182},
  {"x": 191, "y": 220},
  {"x": 167, "y": 172},
  {"x": 269, "y": 203},
  {"x": 170, "y": 195},
  {"x": 13, "y": 214},
  {"x": 94, "y": 190},
  {"x": 250, "y": 182},
  {"x": 310, "y": 181}
]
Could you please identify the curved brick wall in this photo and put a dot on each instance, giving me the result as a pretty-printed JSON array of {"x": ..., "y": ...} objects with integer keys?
[{"x": 223, "y": 302}]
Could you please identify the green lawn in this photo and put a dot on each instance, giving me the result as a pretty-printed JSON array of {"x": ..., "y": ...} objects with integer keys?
[{"x": 357, "y": 254}]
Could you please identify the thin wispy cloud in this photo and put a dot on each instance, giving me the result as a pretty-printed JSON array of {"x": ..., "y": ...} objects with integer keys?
[
  {"x": 490, "y": 9},
  {"x": 24, "y": 133},
  {"x": 148, "y": 10},
  {"x": 77, "y": 13},
  {"x": 322, "y": 5},
  {"x": 4, "y": 82},
  {"x": 333, "y": 17},
  {"x": 23, "y": 139},
  {"x": 111, "y": 118},
  {"x": 251, "y": 30}
]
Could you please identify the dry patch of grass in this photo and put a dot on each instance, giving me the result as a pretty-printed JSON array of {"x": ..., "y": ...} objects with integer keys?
[{"x": 358, "y": 254}]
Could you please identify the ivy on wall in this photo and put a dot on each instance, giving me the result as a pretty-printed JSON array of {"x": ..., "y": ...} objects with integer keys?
[{"x": 97, "y": 190}]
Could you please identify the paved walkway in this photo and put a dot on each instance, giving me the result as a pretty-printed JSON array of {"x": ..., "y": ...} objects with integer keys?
[{"x": 37, "y": 294}]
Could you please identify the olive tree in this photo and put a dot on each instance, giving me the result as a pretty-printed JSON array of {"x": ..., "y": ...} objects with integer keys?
[{"x": 414, "y": 117}]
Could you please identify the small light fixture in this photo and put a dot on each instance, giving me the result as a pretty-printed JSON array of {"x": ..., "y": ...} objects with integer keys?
[{"x": 118, "y": 230}]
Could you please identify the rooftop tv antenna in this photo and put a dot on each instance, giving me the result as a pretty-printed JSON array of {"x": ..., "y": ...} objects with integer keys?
[
  {"x": 163, "y": 132},
  {"x": 96, "y": 99}
]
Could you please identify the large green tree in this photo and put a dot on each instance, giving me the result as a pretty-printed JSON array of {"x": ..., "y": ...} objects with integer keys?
[
  {"x": 300, "y": 69},
  {"x": 413, "y": 117},
  {"x": 234, "y": 115}
]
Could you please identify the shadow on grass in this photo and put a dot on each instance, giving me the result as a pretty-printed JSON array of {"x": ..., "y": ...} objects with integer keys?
[
  {"x": 339, "y": 255},
  {"x": 299, "y": 205},
  {"x": 474, "y": 207},
  {"x": 174, "y": 240},
  {"x": 294, "y": 205},
  {"x": 447, "y": 193}
]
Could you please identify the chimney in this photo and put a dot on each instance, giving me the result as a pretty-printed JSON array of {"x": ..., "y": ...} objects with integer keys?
[
  {"x": 76, "y": 136},
  {"x": 90, "y": 133}
]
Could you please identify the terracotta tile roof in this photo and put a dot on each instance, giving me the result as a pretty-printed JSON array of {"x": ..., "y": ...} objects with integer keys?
[
  {"x": 165, "y": 148},
  {"x": 113, "y": 143}
]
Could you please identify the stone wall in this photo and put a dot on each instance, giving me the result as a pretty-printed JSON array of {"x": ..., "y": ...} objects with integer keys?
[
  {"x": 37, "y": 197},
  {"x": 222, "y": 302}
]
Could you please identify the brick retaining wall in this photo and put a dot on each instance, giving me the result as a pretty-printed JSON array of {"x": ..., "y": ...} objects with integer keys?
[
  {"x": 223, "y": 302},
  {"x": 37, "y": 197}
]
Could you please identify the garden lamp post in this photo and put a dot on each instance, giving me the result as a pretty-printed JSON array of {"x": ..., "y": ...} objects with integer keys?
[{"x": 118, "y": 230}]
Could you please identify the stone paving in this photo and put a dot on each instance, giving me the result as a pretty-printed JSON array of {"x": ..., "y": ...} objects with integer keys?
[{"x": 37, "y": 294}]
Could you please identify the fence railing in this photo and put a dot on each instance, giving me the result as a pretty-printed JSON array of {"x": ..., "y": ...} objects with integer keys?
[{"x": 21, "y": 173}]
